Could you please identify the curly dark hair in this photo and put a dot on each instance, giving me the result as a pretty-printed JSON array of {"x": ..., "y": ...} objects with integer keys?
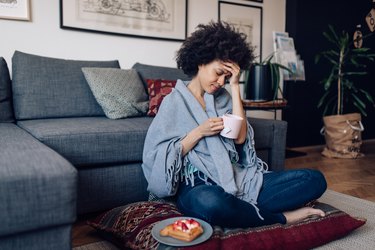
[{"x": 214, "y": 41}]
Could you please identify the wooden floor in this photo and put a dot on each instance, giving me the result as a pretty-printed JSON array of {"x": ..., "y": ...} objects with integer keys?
[{"x": 355, "y": 177}]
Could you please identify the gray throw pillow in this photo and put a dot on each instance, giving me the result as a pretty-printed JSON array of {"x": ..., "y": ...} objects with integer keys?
[{"x": 119, "y": 92}]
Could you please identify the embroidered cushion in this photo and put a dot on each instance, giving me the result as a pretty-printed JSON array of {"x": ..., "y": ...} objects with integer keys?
[
  {"x": 130, "y": 227},
  {"x": 157, "y": 90},
  {"x": 119, "y": 92}
]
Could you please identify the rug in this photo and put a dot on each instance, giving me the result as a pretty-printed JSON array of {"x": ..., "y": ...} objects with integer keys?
[{"x": 360, "y": 239}]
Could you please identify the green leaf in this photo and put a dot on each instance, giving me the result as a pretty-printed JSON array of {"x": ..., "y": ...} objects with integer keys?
[
  {"x": 358, "y": 100},
  {"x": 334, "y": 61},
  {"x": 368, "y": 96},
  {"x": 361, "y": 50},
  {"x": 360, "y": 73},
  {"x": 322, "y": 99},
  {"x": 363, "y": 112}
]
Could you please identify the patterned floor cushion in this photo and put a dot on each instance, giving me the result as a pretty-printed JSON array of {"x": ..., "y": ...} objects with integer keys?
[{"x": 130, "y": 227}]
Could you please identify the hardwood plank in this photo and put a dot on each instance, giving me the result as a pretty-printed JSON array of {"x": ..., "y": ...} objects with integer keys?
[{"x": 354, "y": 177}]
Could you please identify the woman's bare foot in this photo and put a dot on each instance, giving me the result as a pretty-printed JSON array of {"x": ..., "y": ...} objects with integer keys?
[{"x": 301, "y": 214}]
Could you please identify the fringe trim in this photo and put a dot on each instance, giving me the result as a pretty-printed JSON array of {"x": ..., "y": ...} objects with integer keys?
[
  {"x": 187, "y": 174},
  {"x": 172, "y": 172},
  {"x": 254, "y": 159}
]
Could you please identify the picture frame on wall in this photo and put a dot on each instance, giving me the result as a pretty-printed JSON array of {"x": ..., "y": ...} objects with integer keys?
[
  {"x": 15, "y": 10},
  {"x": 258, "y": 1},
  {"x": 152, "y": 19},
  {"x": 246, "y": 19}
]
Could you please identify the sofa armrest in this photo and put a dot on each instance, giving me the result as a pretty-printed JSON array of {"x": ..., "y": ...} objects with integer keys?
[
  {"x": 270, "y": 141},
  {"x": 37, "y": 186}
]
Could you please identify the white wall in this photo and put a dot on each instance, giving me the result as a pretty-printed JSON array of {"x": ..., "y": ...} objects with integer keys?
[{"x": 43, "y": 35}]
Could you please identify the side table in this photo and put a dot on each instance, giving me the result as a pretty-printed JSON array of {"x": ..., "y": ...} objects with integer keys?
[{"x": 269, "y": 105}]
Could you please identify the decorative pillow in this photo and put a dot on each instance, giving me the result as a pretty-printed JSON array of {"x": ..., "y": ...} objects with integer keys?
[
  {"x": 6, "y": 110},
  {"x": 157, "y": 90},
  {"x": 130, "y": 226},
  {"x": 119, "y": 92}
]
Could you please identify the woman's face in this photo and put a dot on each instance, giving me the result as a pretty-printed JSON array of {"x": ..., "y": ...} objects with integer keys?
[{"x": 212, "y": 76}]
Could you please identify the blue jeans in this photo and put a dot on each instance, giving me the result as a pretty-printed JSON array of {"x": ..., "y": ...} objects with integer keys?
[{"x": 280, "y": 192}]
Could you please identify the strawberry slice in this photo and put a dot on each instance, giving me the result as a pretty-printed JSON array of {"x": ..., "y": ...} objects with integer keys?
[
  {"x": 194, "y": 223},
  {"x": 184, "y": 227}
]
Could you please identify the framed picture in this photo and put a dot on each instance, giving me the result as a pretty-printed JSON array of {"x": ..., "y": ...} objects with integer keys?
[
  {"x": 15, "y": 9},
  {"x": 246, "y": 19},
  {"x": 155, "y": 19}
]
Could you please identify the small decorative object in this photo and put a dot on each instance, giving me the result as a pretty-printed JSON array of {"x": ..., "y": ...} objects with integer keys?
[
  {"x": 370, "y": 18},
  {"x": 357, "y": 37},
  {"x": 342, "y": 92},
  {"x": 263, "y": 80},
  {"x": 15, "y": 9}
]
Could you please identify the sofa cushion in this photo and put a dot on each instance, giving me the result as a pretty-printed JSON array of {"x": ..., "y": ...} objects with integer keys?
[
  {"x": 6, "y": 109},
  {"x": 158, "y": 72},
  {"x": 157, "y": 90},
  {"x": 119, "y": 92},
  {"x": 92, "y": 140},
  {"x": 99, "y": 140},
  {"x": 130, "y": 228},
  {"x": 46, "y": 87},
  {"x": 37, "y": 185}
]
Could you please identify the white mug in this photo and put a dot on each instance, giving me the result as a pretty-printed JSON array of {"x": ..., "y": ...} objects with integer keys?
[{"x": 232, "y": 126}]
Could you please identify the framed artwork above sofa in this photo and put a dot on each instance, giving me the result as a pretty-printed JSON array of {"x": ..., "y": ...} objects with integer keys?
[
  {"x": 246, "y": 19},
  {"x": 15, "y": 9},
  {"x": 155, "y": 19}
]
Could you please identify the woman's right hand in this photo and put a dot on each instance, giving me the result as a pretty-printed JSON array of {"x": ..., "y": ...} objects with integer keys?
[{"x": 211, "y": 126}]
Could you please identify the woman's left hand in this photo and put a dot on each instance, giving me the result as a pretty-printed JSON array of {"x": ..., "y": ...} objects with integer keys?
[{"x": 235, "y": 71}]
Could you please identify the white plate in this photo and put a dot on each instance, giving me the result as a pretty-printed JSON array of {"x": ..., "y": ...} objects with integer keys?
[{"x": 207, "y": 232}]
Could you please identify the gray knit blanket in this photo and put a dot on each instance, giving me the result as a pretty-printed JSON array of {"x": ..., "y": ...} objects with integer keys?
[{"x": 236, "y": 168}]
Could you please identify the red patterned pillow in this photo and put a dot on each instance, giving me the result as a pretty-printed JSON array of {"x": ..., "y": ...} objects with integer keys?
[
  {"x": 130, "y": 227},
  {"x": 157, "y": 90}
]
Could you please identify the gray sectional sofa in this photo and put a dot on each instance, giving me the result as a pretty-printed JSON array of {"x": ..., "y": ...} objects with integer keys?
[{"x": 60, "y": 156}]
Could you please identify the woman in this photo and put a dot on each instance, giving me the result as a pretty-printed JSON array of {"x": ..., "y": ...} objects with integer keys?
[{"x": 217, "y": 179}]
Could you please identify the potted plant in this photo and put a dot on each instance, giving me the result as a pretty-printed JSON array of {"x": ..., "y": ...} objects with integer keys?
[
  {"x": 263, "y": 80},
  {"x": 342, "y": 94}
]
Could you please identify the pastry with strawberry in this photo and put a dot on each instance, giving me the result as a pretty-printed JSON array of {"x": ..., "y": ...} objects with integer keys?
[{"x": 183, "y": 229}]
